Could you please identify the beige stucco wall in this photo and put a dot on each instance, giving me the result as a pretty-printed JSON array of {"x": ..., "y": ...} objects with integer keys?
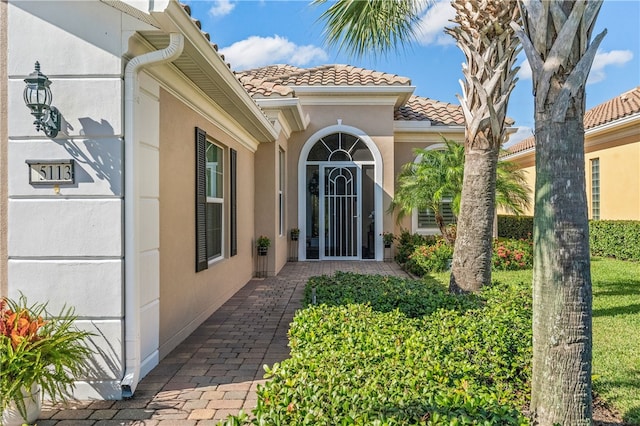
[
  {"x": 619, "y": 178},
  {"x": 267, "y": 205},
  {"x": 619, "y": 181},
  {"x": 187, "y": 298}
]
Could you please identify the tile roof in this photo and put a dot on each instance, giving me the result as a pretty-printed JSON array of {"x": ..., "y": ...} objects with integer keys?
[
  {"x": 621, "y": 106},
  {"x": 425, "y": 109},
  {"x": 281, "y": 80}
]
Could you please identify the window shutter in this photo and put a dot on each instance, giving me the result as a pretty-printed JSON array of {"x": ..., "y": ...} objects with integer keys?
[
  {"x": 201, "y": 200},
  {"x": 233, "y": 201}
]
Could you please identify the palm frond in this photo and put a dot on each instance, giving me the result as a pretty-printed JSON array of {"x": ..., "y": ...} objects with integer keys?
[{"x": 362, "y": 27}]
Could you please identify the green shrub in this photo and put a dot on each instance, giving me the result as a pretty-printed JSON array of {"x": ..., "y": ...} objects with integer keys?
[
  {"x": 512, "y": 255},
  {"x": 354, "y": 365},
  {"x": 430, "y": 258},
  {"x": 414, "y": 298},
  {"x": 515, "y": 227},
  {"x": 407, "y": 242},
  {"x": 619, "y": 239},
  {"x": 615, "y": 238}
]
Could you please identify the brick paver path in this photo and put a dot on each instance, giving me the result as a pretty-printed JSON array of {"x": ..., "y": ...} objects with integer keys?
[{"x": 215, "y": 371}]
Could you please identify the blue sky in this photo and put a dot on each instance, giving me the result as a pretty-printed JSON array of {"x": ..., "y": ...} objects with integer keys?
[{"x": 254, "y": 33}]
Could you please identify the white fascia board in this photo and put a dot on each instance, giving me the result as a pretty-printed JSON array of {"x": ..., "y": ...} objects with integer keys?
[
  {"x": 516, "y": 155},
  {"x": 626, "y": 126},
  {"x": 425, "y": 126},
  {"x": 174, "y": 18},
  {"x": 291, "y": 109},
  {"x": 354, "y": 95}
]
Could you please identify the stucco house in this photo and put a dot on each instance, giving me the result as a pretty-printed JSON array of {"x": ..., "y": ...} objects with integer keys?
[
  {"x": 143, "y": 211},
  {"x": 612, "y": 158}
]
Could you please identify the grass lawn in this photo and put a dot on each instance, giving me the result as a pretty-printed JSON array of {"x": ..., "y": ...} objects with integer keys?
[{"x": 616, "y": 331}]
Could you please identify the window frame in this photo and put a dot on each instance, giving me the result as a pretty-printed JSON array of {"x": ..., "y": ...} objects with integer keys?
[
  {"x": 595, "y": 188},
  {"x": 203, "y": 200},
  {"x": 217, "y": 200}
]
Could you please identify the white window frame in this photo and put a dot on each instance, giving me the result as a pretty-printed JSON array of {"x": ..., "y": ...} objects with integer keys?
[{"x": 211, "y": 174}]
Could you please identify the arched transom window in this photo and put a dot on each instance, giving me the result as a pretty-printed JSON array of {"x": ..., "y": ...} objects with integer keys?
[{"x": 340, "y": 147}]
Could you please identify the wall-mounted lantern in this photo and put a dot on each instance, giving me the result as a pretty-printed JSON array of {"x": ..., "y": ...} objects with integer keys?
[{"x": 37, "y": 97}]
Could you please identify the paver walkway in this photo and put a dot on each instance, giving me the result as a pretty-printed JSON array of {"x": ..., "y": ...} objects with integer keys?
[{"x": 216, "y": 370}]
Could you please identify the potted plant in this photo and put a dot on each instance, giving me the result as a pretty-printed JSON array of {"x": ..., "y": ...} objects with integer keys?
[
  {"x": 39, "y": 353},
  {"x": 388, "y": 238},
  {"x": 263, "y": 244},
  {"x": 295, "y": 233}
]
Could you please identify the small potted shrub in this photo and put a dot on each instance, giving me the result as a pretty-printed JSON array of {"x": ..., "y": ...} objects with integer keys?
[
  {"x": 388, "y": 238},
  {"x": 263, "y": 244},
  {"x": 295, "y": 234},
  {"x": 39, "y": 353}
]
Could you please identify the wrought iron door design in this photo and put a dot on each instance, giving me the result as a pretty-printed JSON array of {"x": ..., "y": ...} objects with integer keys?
[{"x": 340, "y": 211}]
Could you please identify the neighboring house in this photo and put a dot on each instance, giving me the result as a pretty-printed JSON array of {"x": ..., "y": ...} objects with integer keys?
[
  {"x": 612, "y": 158},
  {"x": 179, "y": 164}
]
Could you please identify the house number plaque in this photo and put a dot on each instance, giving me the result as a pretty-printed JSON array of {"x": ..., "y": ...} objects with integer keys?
[{"x": 51, "y": 172}]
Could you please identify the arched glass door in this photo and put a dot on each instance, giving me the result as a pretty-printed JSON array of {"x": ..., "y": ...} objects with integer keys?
[{"x": 340, "y": 188}]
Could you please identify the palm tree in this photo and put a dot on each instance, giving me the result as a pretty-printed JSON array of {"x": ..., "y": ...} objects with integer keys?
[
  {"x": 556, "y": 38},
  {"x": 424, "y": 184},
  {"x": 490, "y": 47},
  {"x": 438, "y": 175}
]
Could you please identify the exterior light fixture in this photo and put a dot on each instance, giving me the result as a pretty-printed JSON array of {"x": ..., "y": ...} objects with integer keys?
[{"x": 37, "y": 97}]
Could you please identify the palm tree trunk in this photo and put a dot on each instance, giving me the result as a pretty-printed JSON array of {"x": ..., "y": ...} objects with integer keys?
[
  {"x": 442, "y": 226},
  {"x": 471, "y": 266},
  {"x": 556, "y": 38},
  {"x": 561, "y": 383}
]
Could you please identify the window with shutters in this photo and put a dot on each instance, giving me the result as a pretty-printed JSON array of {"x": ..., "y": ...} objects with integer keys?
[
  {"x": 426, "y": 220},
  {"x": 209, "y": 200}
]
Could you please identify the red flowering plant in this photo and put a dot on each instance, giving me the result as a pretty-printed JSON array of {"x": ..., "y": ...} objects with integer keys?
[
  {"x": 38, "y": 349},
  {"x": 430, "y": 258},
  {"x": 512, "y": 255}
]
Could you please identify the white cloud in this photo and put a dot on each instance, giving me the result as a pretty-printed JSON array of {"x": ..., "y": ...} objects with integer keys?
[
  {"x": 221, "y": 8},
  {"x": 603, "y": 59},
  {"x": 260, "y": 51},
  {"x": 600, "y": 62},
  {"x": 525, "y": 71},
  {"x": 430, "y": 29}
]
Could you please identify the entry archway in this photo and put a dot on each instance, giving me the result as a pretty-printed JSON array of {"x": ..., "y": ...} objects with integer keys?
[{"x": 340, "y": 196}]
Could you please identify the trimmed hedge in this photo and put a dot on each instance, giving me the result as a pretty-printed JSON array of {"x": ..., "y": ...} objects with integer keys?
[
  {"x": 619, "y": 239},
  {"x": 515, "y": 227},
  {"x": 370, "y": 364},
  {"x": 615, "y": 238}
]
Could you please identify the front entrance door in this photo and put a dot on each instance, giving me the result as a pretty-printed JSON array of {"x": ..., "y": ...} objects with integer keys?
[{"x": 340, "y": 211}]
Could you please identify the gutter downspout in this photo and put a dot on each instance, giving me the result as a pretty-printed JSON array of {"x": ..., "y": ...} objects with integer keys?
[{"x": 131, "y": 376}]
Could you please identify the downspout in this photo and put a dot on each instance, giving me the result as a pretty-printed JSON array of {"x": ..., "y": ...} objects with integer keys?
[{"x": 131, "y": 376}]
